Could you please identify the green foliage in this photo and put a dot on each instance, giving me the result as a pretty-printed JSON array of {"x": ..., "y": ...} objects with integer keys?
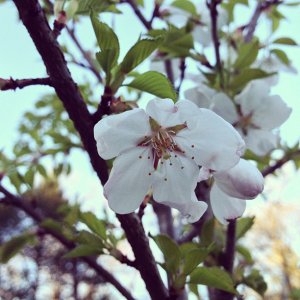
[
  {"x": 170, "y": 251},
  {"x": 85, "y": 6},
  {"x": 246, "y": 75},
  {"x": 193, "y": 258},
  {"x": 243, "y": 225},
  {"x": 245, "y": 253},
  {"x": 247, "y": 54},
  {"x": 256, "y": 282},
  {"x": 94, "y": 224},
  {"x": 14, "y": 246},
  {"x": 138, "y": 53},
  {"x": 285, "y": 41},
  {"x": 83, "y": 250},
  {"x": 154, "y": 83},
  {"x": 187, "y": 6},
  {"x": 213, "y": 277},
  {"x": 281, "y": 55}
]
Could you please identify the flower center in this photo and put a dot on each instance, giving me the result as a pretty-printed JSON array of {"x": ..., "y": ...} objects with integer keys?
[{"x": 162, "y": 142}]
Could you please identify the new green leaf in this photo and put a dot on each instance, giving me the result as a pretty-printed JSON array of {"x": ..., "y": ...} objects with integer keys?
[
  {"x": 285, "y": 41},
  {"x": 138, "y": 53},
  {"x": 170, "y": 251},
  {"x": 83, "y": 250},
  {"x": 213, "y": 277},
  {"x": 247, "y": 55},
  {"x": 93, "y": 223},
  {"x": 193, "y": 259},
  {"x": 154, "y": 83}
]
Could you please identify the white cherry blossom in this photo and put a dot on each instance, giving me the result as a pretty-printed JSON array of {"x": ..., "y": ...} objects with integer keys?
[
  {"x": 162, "y": 147},
  {"x": 231, "y": 188}
]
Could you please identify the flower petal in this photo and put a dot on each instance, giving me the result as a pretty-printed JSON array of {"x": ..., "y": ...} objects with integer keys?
[
  {"x": 212, "y": 141},
  {"x": 271, "y": 113},
  {"x": 224, "y": 207},
  {"x": 193, "y": 209},
  {"x": 119, "y": 132},
  {"x": 260, "y": 142},
  {"x": 174, "y": 183},
  {"x": 129, "y": 180},
  {"x": 244, "y": 181},
  {"x": 225, "y": 108}
]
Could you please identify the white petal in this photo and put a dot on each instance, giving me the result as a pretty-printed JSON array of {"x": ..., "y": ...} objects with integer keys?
[
  {"x": 252, "y": 96},
  {"x": 224, "y": 207},
  {"x": 212, "y": 141},
  {"x": 129, "y": 180},
  {"x": 119, "y": 132},
  {"x": 198, "y": 96},
  {"x": 225, "y": 108},
  {"x": 271, "y": 113},
  {"x": 193, "y": 209},
  {"x": 160, "y": 109},
  {"x": 244, "y": 181},
  {"x": 260, "y": 142},
  {"x": 204, "y": 174},
  {"x": 181, "y": 180},
  {"x": 202, "y": 35}
]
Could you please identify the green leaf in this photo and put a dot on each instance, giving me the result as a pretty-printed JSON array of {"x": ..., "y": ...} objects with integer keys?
[
  {"x": 83, "y": 250},
  {"x": 85, "y": 6},
  {"x": 194, "y": 289},
  {"x": 193, "y": 259},
  {"x": 207, "y": 232},
  {"x": 247, "y": 55},
  {"x": 281, "y": 55},
  {"x": 52, "y": 225},
  {"x": 246, "y": 75},
  {"x": 72, "y": 217},
  {"x": 138, "y": 53},
  {"x": 93, "y": 223},
  {"x": 108, "y": 43},
  {"x": 187, "y": 247},
  {"x": 14, "y": 246},
  {"x": 42, "y": 170},
  {"x": 245, "y": 253},
  {"x": 106, "y": 60},
  {"x": 170, "y": 250},
  {"x": 89, "y": 239},
  {"x": 285, "y": 41},
  {"x": 256, "y": 282},
  {"x": 213, "y": 277},
  {"x": 243, "y": 225},
  {"x": 178, "y": 43},
  {"x": 139, "y": 2},
  {"x": 154, "y": 83},
  {"x": 29, "y": 176},
  {"x": 187, "y": 6}
]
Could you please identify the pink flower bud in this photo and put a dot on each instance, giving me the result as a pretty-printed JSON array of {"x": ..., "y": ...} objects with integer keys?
[{"x": 244, "y": 181}]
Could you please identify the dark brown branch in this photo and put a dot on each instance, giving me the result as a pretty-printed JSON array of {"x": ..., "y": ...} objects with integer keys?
[
  {"x": 214, "y": 31},
  {"x": 261, "y": 6},
  {"x": 36, "y": 23},
  {"x": 143, "y": 255},
  {"x": 12, "y": 84},
  {"x": 18, "y": 202},
  {"x": 67, "y": 90},
  {"x": 280, "y": 163},
  {"x": 84, "y": 53}
]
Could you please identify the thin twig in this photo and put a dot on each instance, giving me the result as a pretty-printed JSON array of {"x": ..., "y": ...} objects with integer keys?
[
  {"x": 18, "y": 202},
  {"x": 280, "y": 163},
  {"x": 214, "y": 31},
  {"x": 12, "y": 84},
  {"x": 261, "y": 6},
  {"x": 87, "y": 57},
  {"x": 136, "y": 10}
]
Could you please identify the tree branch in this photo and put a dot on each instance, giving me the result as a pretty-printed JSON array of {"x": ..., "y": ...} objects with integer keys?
[
  {"x": 85, "y": 54},
  {"x": 18, "y": 202},
  {"x": 214, "y": 31},
  {"x": 143, "y": 255},
  {"x": 280, "y": 163},
  {"x": 136, "y": 10},
  {"x": 261, "y": 6},
  {"x": 12, "y": 84},
  {"x": 36, "y": 23}
]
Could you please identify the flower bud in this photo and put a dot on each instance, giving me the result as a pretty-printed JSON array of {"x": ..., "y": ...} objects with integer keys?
[{"x": 244, "y": 181}]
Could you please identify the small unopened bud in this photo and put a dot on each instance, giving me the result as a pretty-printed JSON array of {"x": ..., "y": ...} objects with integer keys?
[
  {"x": 58, "y": 6},
  {"x": 116, "y": 254},
  {"x": 62, "y": 17},
  {"x": 71, "y": 9}
]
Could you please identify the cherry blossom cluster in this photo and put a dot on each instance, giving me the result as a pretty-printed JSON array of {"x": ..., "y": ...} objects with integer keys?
[{"x": 170, "y": 147}]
